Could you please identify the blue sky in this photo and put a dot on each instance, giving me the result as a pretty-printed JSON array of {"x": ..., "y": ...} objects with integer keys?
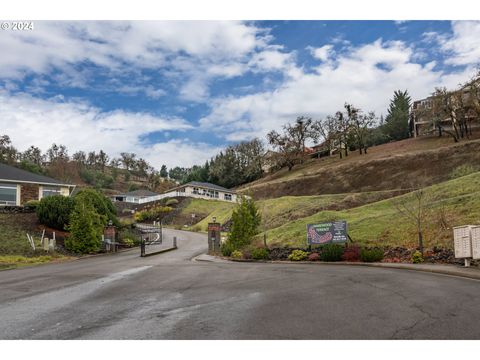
[{"x": 176, "y": 93}]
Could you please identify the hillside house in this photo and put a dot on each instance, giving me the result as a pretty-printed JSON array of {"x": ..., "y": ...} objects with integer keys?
[
  {"x": 134, "y": 196},
  {"x": 18, "y": 186}
]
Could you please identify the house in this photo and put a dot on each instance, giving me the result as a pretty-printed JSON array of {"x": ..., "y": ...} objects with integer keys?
[
  {"x": 133, "y": 196},
  {"x": 195, "y": 189},
  {"x": 18, "y": 186}
]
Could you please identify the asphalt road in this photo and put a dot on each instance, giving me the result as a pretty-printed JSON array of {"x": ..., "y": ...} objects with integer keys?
[{"x": 168, "y": 296}]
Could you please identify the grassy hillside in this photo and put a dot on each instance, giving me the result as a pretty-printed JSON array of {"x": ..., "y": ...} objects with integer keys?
[
  {"x": 452, "y": 203},
  {"x": 399, "y": 165}
]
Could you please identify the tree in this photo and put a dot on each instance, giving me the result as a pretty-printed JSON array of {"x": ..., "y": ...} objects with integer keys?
[
  {"x": 444, "y": 108},
  {"x": 33, "y": 155},
  {"x": 102, "y": 160},
  {"x": 361, "y": 127},
  {"x": 54, "y": 211},
  {"x": 101, "y": 204},
  {"x": 245, "y": 222},
  {"x": 80, "y": 158},
  {"x": 127, "y": 160},
  {"x": 164, "y": 171},
  {"x": 397, "y": 121},
  {"x": 414, "y": 211},
  {"x": 8, "y": 154},
  {"x": 86, "y": 228},
  {"x": 177, "y": 173}
]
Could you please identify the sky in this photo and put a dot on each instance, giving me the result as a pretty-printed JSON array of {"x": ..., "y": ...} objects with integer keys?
[{"x": 177, "y": 92}]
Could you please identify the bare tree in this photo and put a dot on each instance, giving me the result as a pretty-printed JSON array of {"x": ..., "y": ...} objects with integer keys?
[{"x": 415, "y": 211}]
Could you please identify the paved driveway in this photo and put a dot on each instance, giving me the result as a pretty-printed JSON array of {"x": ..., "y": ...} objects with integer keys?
[{"x": 169, "y": 296}]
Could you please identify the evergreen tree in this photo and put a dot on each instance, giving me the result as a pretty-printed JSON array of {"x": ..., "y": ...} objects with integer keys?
[
  {"x": 396, "y": 123},
  {"x": 85, "y": 228},
  {"x": 245, "y": 222},
  {"x": 164, "y": 171}
]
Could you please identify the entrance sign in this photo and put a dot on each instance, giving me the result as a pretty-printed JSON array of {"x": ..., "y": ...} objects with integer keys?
[{"x": 325, "y": 233}]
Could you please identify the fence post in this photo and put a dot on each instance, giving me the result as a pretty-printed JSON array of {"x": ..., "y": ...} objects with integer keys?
[
  {"x": 142, "y": 248},
  {"x": 174, "y": 241}
]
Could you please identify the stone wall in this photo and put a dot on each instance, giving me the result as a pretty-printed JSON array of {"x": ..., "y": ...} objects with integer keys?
[{"x": 28, "y": 192}]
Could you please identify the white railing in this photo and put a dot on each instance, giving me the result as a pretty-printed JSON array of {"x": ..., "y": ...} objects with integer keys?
[{"x": 179, "y": 194}]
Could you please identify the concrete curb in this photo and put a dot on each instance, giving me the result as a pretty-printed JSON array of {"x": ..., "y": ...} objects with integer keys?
[
  {"x": 469, "y": 273},
  {"x": 160, "y": 251}
]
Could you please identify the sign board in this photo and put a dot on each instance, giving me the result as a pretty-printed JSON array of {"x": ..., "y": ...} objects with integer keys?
[
  {"x": 325, "y": 233},
  {"x": 214, "y": 227},
  {"x": 462, "y": 241},
  {"x": 475, "y": 235}
]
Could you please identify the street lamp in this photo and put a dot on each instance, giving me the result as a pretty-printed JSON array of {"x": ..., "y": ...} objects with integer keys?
[{"x": 214, "y": 219}]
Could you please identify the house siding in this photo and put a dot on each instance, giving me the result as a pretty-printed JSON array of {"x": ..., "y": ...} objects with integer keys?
[{"x": 28, "y": 192}]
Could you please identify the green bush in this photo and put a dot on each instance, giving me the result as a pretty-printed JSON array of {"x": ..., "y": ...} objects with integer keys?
[
  {"x": 154, "y": 214},
  {"x": 371, "y": 255},
  {"x": 237, "y": 254},
  {"x": 227, "y": 248},
  {"x": 86, "y": 228},
  {"x": 417, "y": 257},
  {"x": 54, "y": 211},
  {"x": 245, "y": 221},
  {"x": 462, "y": 170},
  {"x": 101, "y": 204},
  {"x": 331, "y": 252},
  {"x": 171, "y": 202},
  {"x": 32, "y": 204},
  {"x": 128, "y": 242},
  {"x": 259, "y": 254},
  {"x": 298, "y": 255}
]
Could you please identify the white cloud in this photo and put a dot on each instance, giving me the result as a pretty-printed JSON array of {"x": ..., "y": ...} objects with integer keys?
[
  {"x": 464, "y": 45},
  {"x": 323, "y": 53},
  {"x": 80, "y": 126},
  {"x": 366, "y": 76}
]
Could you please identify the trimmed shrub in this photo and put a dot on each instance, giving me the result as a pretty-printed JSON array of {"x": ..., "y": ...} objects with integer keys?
[
  {"x": 86, "y": 228},
  {"x": 171, "y": 202},
  {"x": 331, "y": 252},
  {"x": 259, "y": 254},
  {"x": 226, "y": 248},
  {"x": 245, "y": 222},
  {"x": 101, "y": 204},
  {"x": 297, "y": 255},
  {"x": 417, "y": 257},
  {"x": 54, "y": 211},
  {"x": 351, "y": 253},
  {"x": 371, "y": 255},
  {"x": 32, "y": 204},
  {"x": 156, "y": 213},
  {"x": 237, "y": 254},
  {"x": 313, "y": 257}
]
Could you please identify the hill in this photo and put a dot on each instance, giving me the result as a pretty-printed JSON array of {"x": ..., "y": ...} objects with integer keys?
[{"x": 403, "y": 164}]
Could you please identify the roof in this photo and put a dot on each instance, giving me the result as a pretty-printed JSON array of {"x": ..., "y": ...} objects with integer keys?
[
  {"x": 140, "y": 193},
  {"x": 208, "y": 185},
  {"x": 12, "y": 174}
]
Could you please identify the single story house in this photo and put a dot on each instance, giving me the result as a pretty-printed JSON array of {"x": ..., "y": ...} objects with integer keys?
[
  {"x": 133, "y": 196},
  {"x": 206, "y": 191},
  {"x": 18, "y": 186}
]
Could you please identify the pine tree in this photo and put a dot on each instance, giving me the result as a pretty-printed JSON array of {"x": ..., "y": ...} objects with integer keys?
[
  {"x": 85, "y": 228},
  {"x": 245, "y": 222},
  {"x": 396, "y": 123}
]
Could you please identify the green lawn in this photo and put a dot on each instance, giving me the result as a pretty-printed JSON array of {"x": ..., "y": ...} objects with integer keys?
[{"x": 452, "y": 203}]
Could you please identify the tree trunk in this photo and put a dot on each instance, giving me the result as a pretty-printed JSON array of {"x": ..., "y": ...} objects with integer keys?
[{"x": 420, "y": 241}]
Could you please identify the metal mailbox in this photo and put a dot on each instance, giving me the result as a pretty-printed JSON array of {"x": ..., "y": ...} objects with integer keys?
[
  {"x": 475, "y": 238},
  {"x": 462, "y": 241}
]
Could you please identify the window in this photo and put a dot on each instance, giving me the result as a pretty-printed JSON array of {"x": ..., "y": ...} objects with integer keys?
[
  {"x": 227, "y": 197},
  {"x": 8, "y": 194},
  {"x": 50, "y": 191}
]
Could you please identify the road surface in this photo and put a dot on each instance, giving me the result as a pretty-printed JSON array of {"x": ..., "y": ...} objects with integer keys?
[{"x": 168, "y": 296}]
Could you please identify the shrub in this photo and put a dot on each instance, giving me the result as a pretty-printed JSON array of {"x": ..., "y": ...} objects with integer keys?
[
  {"x": 155, "y": 213},
  {"x": 128, "y": 242},
  {"x": 417, "y": 257},
  {"x": 171, "y": 202},
  {"x": 371, "y": 255},
  {"x": 351, "y": 253},
  {"x": 297, "y": 255},
  {"x": 101, "y": 204},
  {"x": 54, "y": 211},
  {"x": 313, "y": 257},
  {"x": 462, "y": 170},
  {"x": 331, "y": 252},
  {"x": 237, "y": 254},
  {"x": 86, "y": 227},
  {"x": 259, "y": 254},
  {"x": 245, "y": 222},
  {"x": 196, "y": 228},
  {"x": 227, "y": 248},
  {"x": 32, "y": 204}
]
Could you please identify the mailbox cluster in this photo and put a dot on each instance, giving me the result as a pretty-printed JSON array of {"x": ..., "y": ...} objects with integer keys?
[{"x": 466, "y": 240}]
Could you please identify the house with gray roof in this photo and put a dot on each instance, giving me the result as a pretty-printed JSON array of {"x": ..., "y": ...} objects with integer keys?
[
  {"x": 18, "y": 186},
  {"x": 134, "y": 196}
]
